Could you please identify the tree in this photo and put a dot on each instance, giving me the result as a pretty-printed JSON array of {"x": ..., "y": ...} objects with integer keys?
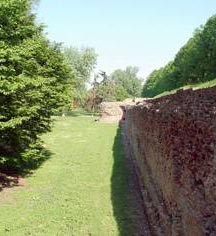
[
  {"x": 194, "y": 63},
  {"x": 121, "y": 84},
  {"x": 34, "y": 82},
  {"x": 82, "y": 63},
  {"x": 161, "y": 80},
  {"x": 128, "y": 80}
]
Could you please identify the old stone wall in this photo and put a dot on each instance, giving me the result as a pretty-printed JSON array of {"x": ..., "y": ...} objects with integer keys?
[
  {"x": 115, "y": 111},
  {"x": 111, "y": 111},
  {"x": 173, "y": 139}
]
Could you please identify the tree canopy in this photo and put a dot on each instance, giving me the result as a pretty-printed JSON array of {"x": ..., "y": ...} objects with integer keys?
[
  {"x": 82, "y": 62},
  {"x": 121, "y": 84},
  {"x": 195, "y": 62},
  {"x": 34, "y": 82}
]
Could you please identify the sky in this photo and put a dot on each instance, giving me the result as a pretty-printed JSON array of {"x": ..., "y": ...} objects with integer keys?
[{"x": 142, "y": 33}]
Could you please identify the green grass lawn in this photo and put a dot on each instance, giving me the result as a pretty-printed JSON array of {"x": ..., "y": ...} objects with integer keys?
[
  {"x": 202, "y": 85},
  {"x": 80, "y": 190}
]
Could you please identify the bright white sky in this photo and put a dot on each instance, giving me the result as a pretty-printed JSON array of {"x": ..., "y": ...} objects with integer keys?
[{"x": 143, "y": 33}]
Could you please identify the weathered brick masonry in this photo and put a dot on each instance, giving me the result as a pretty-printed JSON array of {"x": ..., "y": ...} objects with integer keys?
[{"x": 174, "y": 143}]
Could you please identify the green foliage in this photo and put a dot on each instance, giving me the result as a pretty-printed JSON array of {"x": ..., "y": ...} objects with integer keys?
[
  {"x": 106, "y": 91},
  {"x": 160, "y": 80},
  {"x": 82, "y": 63},
  {"x": 33, "y": 80},
  {"x": 121, "y": 84},
  {"x": 128, "y": 80},
  {"x": 200, "y": 85},
  {"x": 194, "y": 63},
  {"x": 121, "y": 93}
]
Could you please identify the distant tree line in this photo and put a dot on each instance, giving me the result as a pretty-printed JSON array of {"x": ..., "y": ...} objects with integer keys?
[
  {"x": 121, "y": 84},
  {"x": 195, "y": 62},
  {"x": 118, "y": 86}
]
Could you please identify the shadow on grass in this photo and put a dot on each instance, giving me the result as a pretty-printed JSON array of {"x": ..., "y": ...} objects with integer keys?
[
  {"x": 12, "y": 170},
  {"x": 119, "y": 193},
  {"x": 127, "y": 201}
]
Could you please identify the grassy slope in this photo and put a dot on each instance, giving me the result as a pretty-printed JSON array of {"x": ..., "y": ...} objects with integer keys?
[
  {"x": 207, "y": 84},
  {"x": 71, "y": 193}
]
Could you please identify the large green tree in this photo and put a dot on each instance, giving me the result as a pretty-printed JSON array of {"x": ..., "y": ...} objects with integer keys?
[
  {"x": 128, "y": 80},
  {"x": 163, "y": 79},
  {"x": 82, "y": 62},
  {"x": 34, "y": 82}
]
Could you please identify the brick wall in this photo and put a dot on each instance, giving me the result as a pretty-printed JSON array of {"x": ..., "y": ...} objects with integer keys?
[{"x": 173, "y": 139}]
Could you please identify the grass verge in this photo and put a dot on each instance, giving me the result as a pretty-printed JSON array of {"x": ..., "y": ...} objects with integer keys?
[
  {"x": 72, "y": 193},
  {"x": 207, "y": 84}
]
